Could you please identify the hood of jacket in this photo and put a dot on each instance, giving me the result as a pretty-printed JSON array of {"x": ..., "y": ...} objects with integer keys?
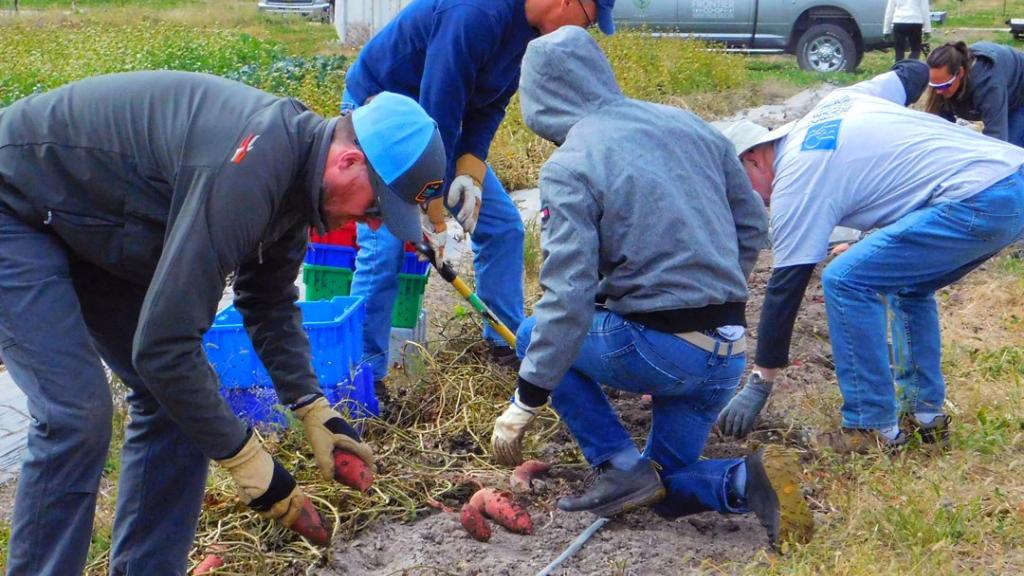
[{"x": 565, "y": 77}]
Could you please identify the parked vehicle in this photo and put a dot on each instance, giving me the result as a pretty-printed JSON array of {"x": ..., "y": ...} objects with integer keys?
[
  {"x": 320, "y": 9},
  {"x": 825, "y": 35}
]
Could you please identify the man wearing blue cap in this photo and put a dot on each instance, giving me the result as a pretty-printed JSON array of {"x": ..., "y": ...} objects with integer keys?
[
  {"x": 125, "y": 202},
  {"x": 460, "y": 59}
]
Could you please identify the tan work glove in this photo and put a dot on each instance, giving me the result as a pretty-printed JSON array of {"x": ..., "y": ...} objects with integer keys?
[
  {"x": 327, "y": 430},
  {"x": 467, "y": 188},
  {"x": 254, "y": 470},
  {"x": 509, "y": 429}
]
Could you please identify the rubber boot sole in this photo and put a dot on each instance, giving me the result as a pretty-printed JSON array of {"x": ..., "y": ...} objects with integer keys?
[{"x": 775, "y": 497}]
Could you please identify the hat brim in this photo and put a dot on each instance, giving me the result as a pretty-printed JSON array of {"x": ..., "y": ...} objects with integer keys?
[
  {"x": 605, "y": 21},
  {"x": 402, "y": 218},
  {"x": 771, "y": 136}
]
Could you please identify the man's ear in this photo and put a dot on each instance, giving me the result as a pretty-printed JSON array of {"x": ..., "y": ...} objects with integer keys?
[{"x": 349, "y": 157}]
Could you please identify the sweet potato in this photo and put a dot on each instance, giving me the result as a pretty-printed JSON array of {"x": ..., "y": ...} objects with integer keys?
[
  {"x": 475, "y": 523},
  {"x": 524, "y": 474},
  {"x": 502, "y": 508},
  {"x": 210, "y": 563},
  {"x": 351, "y": 471},
  {"x": 311, "y": 526}
]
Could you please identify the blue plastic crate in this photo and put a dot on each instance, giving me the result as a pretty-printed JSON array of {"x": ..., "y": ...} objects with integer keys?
[
  {"x": 412, "y": 264},
  {"x": 334, "y": 328},
  {"x": 331, "y": 255},
  {"x": 259, "y": 405},
  {"x": 357, "y": 396}
]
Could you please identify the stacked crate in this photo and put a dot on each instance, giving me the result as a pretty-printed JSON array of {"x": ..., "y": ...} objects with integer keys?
[{"x": 330, "y": 265}]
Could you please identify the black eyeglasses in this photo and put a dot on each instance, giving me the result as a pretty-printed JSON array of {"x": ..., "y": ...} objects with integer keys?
[{"x": 590, "y": 21}]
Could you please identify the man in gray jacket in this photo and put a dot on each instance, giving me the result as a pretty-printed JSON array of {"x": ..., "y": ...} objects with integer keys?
[
  {"x": 646, "y": 211},
  {"x": 125, "y": 202}
]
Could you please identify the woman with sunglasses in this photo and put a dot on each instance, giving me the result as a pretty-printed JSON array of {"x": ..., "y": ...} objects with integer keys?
[{"x": 984, "y": 82}]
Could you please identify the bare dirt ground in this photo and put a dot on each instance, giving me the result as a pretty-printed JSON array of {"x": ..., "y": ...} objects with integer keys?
[{"x": 641, "y": 542}]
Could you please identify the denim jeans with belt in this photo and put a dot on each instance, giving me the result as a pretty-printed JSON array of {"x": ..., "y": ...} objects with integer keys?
[
  {"x": 497, "y": 246},
  {"x": 689, "y": 386},
  {"x": 58, "y": 318},
  {"x": 902, "y": 265}
]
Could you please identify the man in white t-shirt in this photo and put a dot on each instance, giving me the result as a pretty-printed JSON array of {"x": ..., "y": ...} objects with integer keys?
[{"x": 944, "y": 198}]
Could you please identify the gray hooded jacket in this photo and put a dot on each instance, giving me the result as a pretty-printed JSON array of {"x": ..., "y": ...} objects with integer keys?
[{"x": 645, "y": 208}]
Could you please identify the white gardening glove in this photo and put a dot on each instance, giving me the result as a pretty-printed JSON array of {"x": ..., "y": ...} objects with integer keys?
[
  {"x": 466, "y": 190},
  {"x": 509, "y": 429},
  {"x": 436, "y": 239}
]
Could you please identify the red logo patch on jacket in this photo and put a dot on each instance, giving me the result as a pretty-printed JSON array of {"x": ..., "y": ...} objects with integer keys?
[{"x": 244, "y": 147}]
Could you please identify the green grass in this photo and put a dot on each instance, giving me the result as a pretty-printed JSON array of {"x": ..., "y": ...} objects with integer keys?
[
  {"x": 785, "y": 69},
  {"x": 67, "y": 4},
  {"x": 978, "y": 13},
  {"x": 50, "y": 55},
  {"x": 922, "y": 513},
  {"x": 5, "y": 541}
]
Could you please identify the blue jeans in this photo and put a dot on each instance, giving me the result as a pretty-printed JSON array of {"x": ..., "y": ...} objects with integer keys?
[
  {"x": 58, "y": 317},
  {"x": 497, "y": 246},
  {"x": 688, "y": 386},
  {"x": 902, "y": 265}
]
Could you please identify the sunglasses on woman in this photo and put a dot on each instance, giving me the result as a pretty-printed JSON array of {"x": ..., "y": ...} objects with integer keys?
[{"x": 943, "y": 86}]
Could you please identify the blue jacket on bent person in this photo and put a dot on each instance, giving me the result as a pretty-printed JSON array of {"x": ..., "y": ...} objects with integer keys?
[{"x": 459, "y": 58}]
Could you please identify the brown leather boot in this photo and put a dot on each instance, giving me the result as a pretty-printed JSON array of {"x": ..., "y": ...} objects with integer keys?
[{"x": 860, "y": 441}]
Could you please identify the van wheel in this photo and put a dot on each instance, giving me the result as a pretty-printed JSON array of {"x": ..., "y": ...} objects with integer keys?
[{"x": 827, "y": 48}]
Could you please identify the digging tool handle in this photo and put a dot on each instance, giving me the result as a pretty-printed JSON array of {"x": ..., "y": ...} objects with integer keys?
[
  {"x": 452, "y": 278},
  {"x": 444, "y": 269}
]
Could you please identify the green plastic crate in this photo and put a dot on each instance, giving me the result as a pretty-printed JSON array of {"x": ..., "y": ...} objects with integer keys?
[
  {"x": 410, "y": 300},
  {"x": 326, "y": 282}
]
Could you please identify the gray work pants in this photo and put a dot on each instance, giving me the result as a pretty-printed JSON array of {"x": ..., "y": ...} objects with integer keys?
[{"x": 58, "y": 318}]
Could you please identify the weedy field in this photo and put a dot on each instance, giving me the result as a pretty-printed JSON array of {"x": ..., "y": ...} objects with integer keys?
[{"x": 957, "y": 512}]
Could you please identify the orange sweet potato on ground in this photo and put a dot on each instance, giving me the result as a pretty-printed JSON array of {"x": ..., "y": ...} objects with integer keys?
[
  {"x": 210, "y": 563},
  {"x": 502, "y": 508},
  {"x": 475, "y": 523},
  {"x": 311, "y": 526},
  {"x": 524, "y": 474},
  {"x": 351, "y": 471}
]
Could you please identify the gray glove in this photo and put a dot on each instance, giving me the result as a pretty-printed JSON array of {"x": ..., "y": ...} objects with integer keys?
[{"x": 739, "y": 416}]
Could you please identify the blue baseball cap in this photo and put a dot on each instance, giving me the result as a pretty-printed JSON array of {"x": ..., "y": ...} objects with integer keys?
[
  {"x": 604, "y": 16},
  {"x": 406, "y": 155}
]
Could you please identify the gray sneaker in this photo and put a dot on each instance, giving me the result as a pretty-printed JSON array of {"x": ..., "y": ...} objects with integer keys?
[
  {"x": 934, "y": 432},
  {"x": 618, "y": 491}
]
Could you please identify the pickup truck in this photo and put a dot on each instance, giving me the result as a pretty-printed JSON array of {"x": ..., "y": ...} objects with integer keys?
[
  {"x": 825, "y": 35},
  {"x": 320, "y": 9}
]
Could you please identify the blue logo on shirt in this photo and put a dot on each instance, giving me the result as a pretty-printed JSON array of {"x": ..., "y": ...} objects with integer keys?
[{"x": 822, "y": 136}]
